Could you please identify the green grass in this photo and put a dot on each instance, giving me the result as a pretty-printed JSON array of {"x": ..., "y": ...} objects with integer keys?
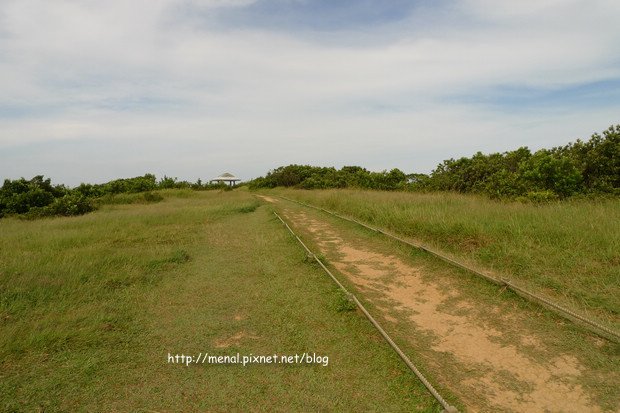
[
  {"x": 123, "y": 198},
  {"x": 567, "y": 250},
  {"x": 91, "y": 306}
]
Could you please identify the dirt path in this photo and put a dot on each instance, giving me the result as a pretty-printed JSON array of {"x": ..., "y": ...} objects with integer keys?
[{"x": 502, "y": 375}]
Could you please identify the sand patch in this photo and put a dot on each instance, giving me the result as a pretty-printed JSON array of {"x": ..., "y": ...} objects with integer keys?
[
  {"x": 268, "y": 199},
  {"x": 239, "y": 317}
]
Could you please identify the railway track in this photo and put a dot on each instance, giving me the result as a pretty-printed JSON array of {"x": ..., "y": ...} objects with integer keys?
[
  {"x": 447, "y": 408},
  {"x": 592, "y": 325},
  {"x": 496, "y": 368}
]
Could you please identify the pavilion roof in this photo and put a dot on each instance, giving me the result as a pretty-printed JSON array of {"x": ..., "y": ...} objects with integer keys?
[{"x": 227, "y": 177}]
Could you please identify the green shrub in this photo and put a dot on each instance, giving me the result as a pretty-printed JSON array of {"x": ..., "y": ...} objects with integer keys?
[
  {"x": 546, "y": 171},
  {"x": 70, "y": 204},
  {"x": 343, "y": 302},
  {"x": 20, "y": 195}
]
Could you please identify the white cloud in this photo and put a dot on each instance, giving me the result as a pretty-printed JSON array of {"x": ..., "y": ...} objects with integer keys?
[{"x": 144, "y": 72}]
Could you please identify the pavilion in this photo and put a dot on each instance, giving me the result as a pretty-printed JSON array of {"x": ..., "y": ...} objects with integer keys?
[{"x": 226, "y": 177}]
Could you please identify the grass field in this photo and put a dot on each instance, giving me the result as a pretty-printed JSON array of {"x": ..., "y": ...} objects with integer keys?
[
  {"x": 90, "y": 308},
  {"x": 569, "y": 251}
]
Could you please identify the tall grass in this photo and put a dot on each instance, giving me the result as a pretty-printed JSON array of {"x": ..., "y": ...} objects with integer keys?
[{"x": 568, "y": 250}]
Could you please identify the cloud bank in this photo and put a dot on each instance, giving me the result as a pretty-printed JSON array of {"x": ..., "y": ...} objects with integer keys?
[{"x": 93, "y": 91}]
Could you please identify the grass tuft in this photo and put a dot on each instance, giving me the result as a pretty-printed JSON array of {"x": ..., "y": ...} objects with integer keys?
[
  {"x": 248, "y": 208},
  {"x": 178, "y": 256},
  {"x": 344, "y": 303}
]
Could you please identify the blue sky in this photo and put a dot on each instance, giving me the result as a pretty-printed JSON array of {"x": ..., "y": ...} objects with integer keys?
[
  {"x": 310, "y": 16},
  {"x": 92, "y": 91}
]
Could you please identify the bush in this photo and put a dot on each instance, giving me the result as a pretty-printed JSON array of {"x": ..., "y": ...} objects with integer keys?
[
  {"x": 68, "y": 205},
  {"x": 546, "y": 171},
  {"x": 71, "y": 204},
  {"x": 20, "y": 196},
  {"x": 37, "y": 197}
]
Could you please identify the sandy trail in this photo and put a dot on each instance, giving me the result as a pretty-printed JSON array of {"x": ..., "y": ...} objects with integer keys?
[
  {"x": 504, "y": 377},
  {"x": 268, "y": 199}
]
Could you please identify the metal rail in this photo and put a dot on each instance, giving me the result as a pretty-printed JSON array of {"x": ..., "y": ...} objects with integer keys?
[
  {"x": 447, "y": 408},
  {"x": 591, "y": 325}
]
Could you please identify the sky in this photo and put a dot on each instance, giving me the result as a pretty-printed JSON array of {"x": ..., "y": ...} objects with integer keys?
[{"x": 97, "y": 90}]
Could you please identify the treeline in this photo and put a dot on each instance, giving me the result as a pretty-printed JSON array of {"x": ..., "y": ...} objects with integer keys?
[
  {"x": 38, "y": 197},
  {"x": 313, "y": 177},
  {"x": 579, "y": 168},
  {"x": 139, "y": 184},
  {"x": 590, "y": 167}
]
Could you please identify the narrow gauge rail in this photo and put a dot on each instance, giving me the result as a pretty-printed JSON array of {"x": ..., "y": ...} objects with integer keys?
[
  {"x": 447, "y": 408},
  {"x": 578, "y": 319}
]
